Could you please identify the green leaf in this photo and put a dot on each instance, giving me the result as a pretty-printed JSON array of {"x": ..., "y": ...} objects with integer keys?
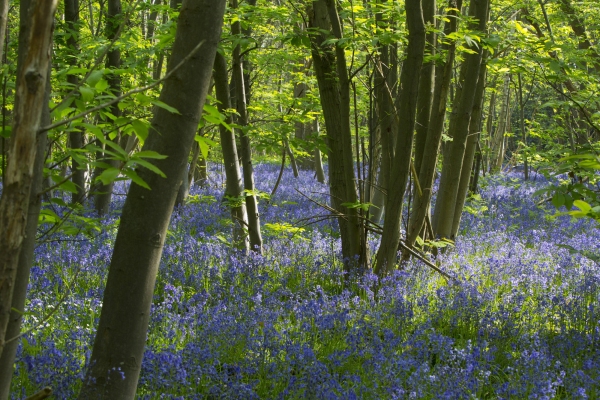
[
  {"x": 149, "y": 154},
  {"x": 136, "y": 178},
  {"x": 109, "y": 175},
  {"x": 141, "y": 129},
  {"x": 95, "y": 77},
  {"x": 582, "y": 205},
  {"x": 167, "y": 107},
  {"x": 150, "y": 166},
  {"x": 102, "y": 85},
  {"x": 87, "y": 93},
  {"x": 558, "y": 199}
]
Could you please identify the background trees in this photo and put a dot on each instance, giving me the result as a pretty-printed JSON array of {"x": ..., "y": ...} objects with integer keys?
[{"x": 404, "y": 90}]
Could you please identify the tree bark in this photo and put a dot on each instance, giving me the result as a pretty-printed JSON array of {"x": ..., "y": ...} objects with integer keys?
[
  {"x": 318, "y": 162},
  {"x": 435, "y": 128},
  {"x": 498, "y": 141},
  {"x": 29, "y": 103},
  {"x": 426, "y": 87},
  {"x": 3, "y": 24},
  {"x": 113, "y": 62},
  {"x": 245, "y": 146},
  {"x": 234, "y": 187},
  {"x": 25, "y": 260},
  {"x": 459, "y": 130},
  {"x": 400, "y": 168},
  {"x": 76, "y": 136},
  {"x": 471, "y": 145},
  {"x": 334, "y": 89},
  {"x": 121, "y": 337}
]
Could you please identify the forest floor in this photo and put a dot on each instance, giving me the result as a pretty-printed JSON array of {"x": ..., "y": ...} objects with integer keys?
[{"x": 522, "y": 320}]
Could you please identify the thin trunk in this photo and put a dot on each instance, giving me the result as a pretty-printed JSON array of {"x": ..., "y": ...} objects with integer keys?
[
  {"x": 28, "y": 106},
  {"x": 426, "y": 87},
  {"x": 443, "y": 77},
  {"x": 26, "y": 256},
  {"x": 523, "y": 132},
  {"x": 498, "y": 142},
  {"x": 288, "y": 149},
  {"x": 234, "y": 187},
  {"x": 459, "y": 129},
  {"x": 400, "y": 168},
  {"x": 118, "y": 350},
  {"x": 113, "y": 62},
  {"x": 471, "y": 145},
  {"x": 334, "y": 89},
  {"x": 245, "y": 147},
  {"x": 76, "y": 136},
  {"x": 3, "y": 24},
  {"x": 318, "y": 162}
]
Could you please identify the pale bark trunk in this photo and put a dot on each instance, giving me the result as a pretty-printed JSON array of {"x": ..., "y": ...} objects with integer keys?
[
  {"x": 522, "y": 125},
  {"x": 26, "y": 254},
  {"x": 245, "y": 146},
  {"x": 498, "y": 143},
  {"x": 121, "y": 337},
  {"x": 29, "y": 103},
  {"x": 3, "y": 23},
  {"x": 318, "y": 162},
  {"x": 459, "y": 130},
  {"x": 234, "y": 187},
  {"x": 400, "y": 168},
  {"x": 431, "y": 150}
]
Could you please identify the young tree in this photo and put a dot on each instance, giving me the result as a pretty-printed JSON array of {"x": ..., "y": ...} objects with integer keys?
[
  {"x": 121, "y": 337},
  {"x": 407, "y": 107},
  {"x": 459, "y": 129},
  {"x": 29, "y": 103}
]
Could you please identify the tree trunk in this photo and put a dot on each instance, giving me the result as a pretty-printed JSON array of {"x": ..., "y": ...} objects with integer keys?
[
  {"x": 121, "y": 337},
  {"x": 29, "y": 103},
  {"x": 400, "y": 168},
  {"x": 426, "y": 87},
  {"x": 459, "y": 130},
  {"x": 471, "y": 145},
  {"x": 318, "y": 162},
  {"x": 113, "y": 62},
  {"x": 245, "y": 146},
  {"x": 523, "y": 132},
  {"x": 25, "y": 260},
  {"x": 3, "y": 24},
  {"x": 234, "y": 187},
  {"x": 420, "y": 210},
  {"x": 76, "y": 136},
  {"x": 334, "y": 89},
  {"x": 498, "y": 142}
]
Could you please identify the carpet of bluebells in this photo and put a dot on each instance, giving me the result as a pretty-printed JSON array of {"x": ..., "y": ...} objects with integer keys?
[{"x": 521, "y": 321}]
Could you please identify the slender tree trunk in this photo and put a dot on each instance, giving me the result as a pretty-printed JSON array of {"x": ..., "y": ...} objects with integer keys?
[
  {"x": 459, "y": 130},
  {"x": 427, "y": 170},
  {"x": 121, "y": 337},
  {"x": 26, "y": 258},
  {"x": 400, "y": 168},
  {"x": 29, "y": 103},
  {"x": 498, "y": 143},
  {"x": 3, "y": 24},
  {"x": 334, "y": 89},
  {"x": 426, "y": 87},
  {"x": 234, "y": 187},
  {"x": 471, "y": 145},
  {"x": 76, "y": 136},
  {"x": 113, "y": 62},
  {"x": 245, "y": 146},
  {"x": 318, "y": 162},
  {"x": 523, "y": 132}
]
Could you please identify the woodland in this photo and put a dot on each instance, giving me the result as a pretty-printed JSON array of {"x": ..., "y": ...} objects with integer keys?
[{"x": 313, "y": 199}]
